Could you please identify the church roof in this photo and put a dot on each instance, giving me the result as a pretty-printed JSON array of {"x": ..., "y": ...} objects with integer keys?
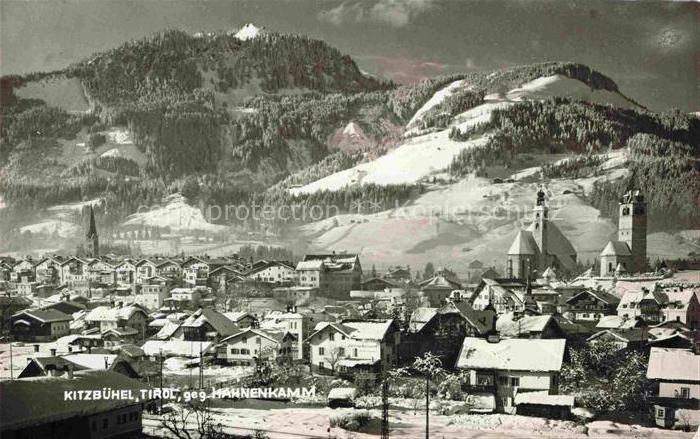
[
  {"x": 616, "y": 248},
  {"x": 523, "y": 244},
  {"x": 557, "y": 243}
]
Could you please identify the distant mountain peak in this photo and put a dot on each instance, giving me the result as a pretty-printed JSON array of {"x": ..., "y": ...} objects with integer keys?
[{"x": 248, "y": 32}]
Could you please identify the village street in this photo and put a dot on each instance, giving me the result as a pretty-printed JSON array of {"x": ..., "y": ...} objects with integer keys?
[{"x": 314, "y": 422}]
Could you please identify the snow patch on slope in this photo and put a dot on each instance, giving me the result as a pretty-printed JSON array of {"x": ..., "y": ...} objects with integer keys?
[
  {"x": 560, "y": 85},
  {"x": 176, "y": 214},
  {"x": 437, "y": 99},
  {"x": 248, "y": 32}
]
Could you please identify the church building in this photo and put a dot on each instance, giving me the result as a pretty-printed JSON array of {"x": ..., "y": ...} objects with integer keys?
[
  {"x": 539, "y": 246},
  {"x": 629, "y": 253},
  {"x": 92, "y": 242}
]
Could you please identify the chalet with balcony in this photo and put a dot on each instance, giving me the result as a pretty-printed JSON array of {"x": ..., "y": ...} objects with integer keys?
[
  {"x": 676, "y": 373},
  {"x": 40, "y": 325}
]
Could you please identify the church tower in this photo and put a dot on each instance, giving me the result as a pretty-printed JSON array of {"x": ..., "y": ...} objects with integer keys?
[
  {"x": 539, "y": 232},
  {"x": 632, "y": 229},
  {"x": 92, "y": 242}
]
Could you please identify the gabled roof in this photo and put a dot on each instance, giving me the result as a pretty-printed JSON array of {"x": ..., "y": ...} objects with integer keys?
[
  {"x": 600, "y": 295},
  {"x": 480, "y": 320},
  {"x": 356, "y": 329},
  {"x": 35, "y": 401},
  {"x": 523, "y": 244},
  {"x": 269, "y": 264},
  {"x": 221, "y": 324},
  {"x": 45, "y": 315},
  {"x": 616, "y": 248},
  {"x": 673, "y": 365},
  {"x": 510, "y": 325},
  {"x": 628, "y": 335},
  {"x": 517, "y": 354},
  {"x": 617, "y": 322},
  {"x": 420, "y": 317},
  {"x": 272, "y": 336},
  {"x": 110, "y": 314}
]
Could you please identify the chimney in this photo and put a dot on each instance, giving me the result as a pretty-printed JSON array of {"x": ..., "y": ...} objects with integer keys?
[{"x": 53, "y": 352}]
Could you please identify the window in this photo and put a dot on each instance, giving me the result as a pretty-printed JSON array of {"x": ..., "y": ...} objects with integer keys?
[
  {"x": 341, "y": 351},
  {"x": 660, "y": 412},
  {"x": 245, "y": 351},
  {"x": 354, "y": 352},
  {"x": 235, "y": 351},
  {"x": 331, "y": 336},
  {"x": 685, "y": 392},
  {"x": 257, "y": 340},
  {"x": 244, "y": 339},
  {"x": 321, "y": 351},
  {"x": 321, "y": 365},
  {"x": 514, "y": 381}
]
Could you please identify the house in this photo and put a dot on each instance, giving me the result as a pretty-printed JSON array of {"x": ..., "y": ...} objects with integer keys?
[
  {"x": 40, "y": 325},
  {"x": 115, "y": 337},
  {"x": 206, "y": 324},
  {"x": 378, "y": 284},
  {"x": 504, "y": 295},
  {"x": 185, "y": 298},
  {"x": 37, "y": 411},
  {"x": 442, "y": 330},
  {"x": 242, "y": 319},
  {"x": 634, "y": 338},
  {"x": 47, "y": 270},
  {"x": 119, "y": 316},
  {"x": 274, "y": 272},
  {"x": 507, "y": 368},
  {"x": 65, "y": 306},
  {"x": 74, "y": 273},
  {"x": 399, "y": 274},
  {"x": 677, "y": 374},
  {"x": 682, "y": 306},
  {"x": 152, "y": 292},
  {"x": 289, "y": 321},
  {"x": 9, "y": 305},
  {"x": 195, "y": 271},
  {"x": 438, "y": 288},
  {"x": 645, "y": 304},
  {"x": 539, "y": 246},
  {"x": 520, "y": 325},
  {"x": 332, "y": 274},
  {"x": 125, "y": 273},
  {"x": 628, "y": 254},
  {"x": 590, "y": 305},
  {"x": 354, "y": 345},
  {"x": 249, "y": 345},
  {"x": 294, "y": 295}
]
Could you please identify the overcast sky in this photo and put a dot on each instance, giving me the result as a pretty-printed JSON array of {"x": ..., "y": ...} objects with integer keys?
[{"x": 648, "y": 48}]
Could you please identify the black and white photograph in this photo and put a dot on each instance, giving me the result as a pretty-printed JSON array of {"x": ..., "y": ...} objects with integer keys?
[{"x": 349, "y": 219}]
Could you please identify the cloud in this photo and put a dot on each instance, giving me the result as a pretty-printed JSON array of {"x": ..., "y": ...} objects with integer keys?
[{"x": 396, "y": 13}]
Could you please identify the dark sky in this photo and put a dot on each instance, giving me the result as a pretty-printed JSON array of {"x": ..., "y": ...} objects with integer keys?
[{"x": 649, "y": 48}]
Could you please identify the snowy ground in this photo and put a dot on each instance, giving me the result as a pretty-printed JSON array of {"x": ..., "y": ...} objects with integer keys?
[
  {"x": 174, "y": 213},
  {"x": 314, "y": 423}
]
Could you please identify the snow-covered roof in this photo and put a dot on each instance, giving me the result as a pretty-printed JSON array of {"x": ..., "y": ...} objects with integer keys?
[
  {"x": 612, "y": 322},
  {"x": 217, "y": 320},
  {"x": 512, "y": 354},
  {"x": 538, "y": 398},
  {"x": 358, "y": 330},
  {"x": 110, "y": 314},
  {"x": 36, "y": 401},
  {"x": 91, "y": 361},
  {"x": 420, "y": 317},
  {"x": 673, "y": 364},
  {"x": 510, "y": 325}
]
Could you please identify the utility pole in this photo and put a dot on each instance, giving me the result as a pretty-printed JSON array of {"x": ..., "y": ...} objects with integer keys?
[
  {"x": 12, "y": 371},
  {"x": 201, "y": 367},
  {"x": 427, "y": 405},
  {"x": 160, "y": 358},
  {"x": 385, "y": 406}
]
